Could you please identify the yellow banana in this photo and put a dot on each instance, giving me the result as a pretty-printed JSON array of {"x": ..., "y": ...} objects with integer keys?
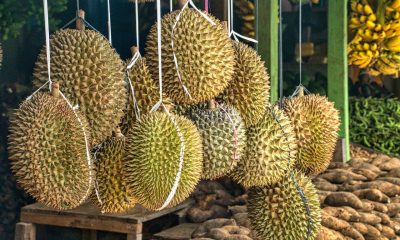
[
  {"x": 373, "y": 72},
  {"x": 363, "y": 18},
  {"x": 374, "y": 47},
  {"x": 360, "y": 8},
  {"x": 388, "y": 62},
  {"x": 353, "y": 5},
  {"x": 396, "y": 15},
  {"x": 386, "y": 27},
  {"x": 378, "y": 28},
  {"x": 365, "y": 46},
  {"x": 370, "y": 25},
  {"x": 367, "y": 9},
  {"x": 395, "y": 4},
  {"x": 393, "y": 42}
]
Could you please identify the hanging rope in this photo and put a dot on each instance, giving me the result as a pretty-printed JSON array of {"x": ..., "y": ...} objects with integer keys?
[
  {"x": 74, "y": 108},
  {"x": 171, "y": 5},
  {"x": 280, "y": 52},
  {"x": 231, "y": 30},
  {"x": 300, "y": 41},
  {"x": 137, "y": 25},
  {"x": 109, "y": 22}
]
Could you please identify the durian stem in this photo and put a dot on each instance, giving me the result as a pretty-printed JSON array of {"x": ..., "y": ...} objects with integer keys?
[
  {"x": 182, "y": 3},
  {"x": 301, "y": 91},
  {"x": 80, "y": 25},
  {"x": 211, "y": 104},
  {"x": 117, "y": 133},
  {"x": 55, "y": 89},
  {"x": 134, "y": 50},
  {"x": 225, "y": 24}
]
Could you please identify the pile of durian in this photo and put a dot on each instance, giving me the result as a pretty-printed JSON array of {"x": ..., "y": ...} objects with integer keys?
[{"x": 216, "y": 121}]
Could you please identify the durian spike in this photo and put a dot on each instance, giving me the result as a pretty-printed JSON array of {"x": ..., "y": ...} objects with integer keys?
[
  {"x": 55, "y": 89},
  {"x": 80, "y": 25},
  {"x": 301, "y": 91},
  {"x": 182, "y": 3},
  {"x": 117, "y": 133},
  {"x": 211, "y": 104},
  {"x": 134, "y": 50}
]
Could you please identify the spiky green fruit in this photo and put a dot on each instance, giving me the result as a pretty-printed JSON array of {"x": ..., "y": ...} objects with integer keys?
[
  {"x": 277, "y": 211},
  {"x": 152, "y": 157},
  {"x": 91, "y": 74},
  {"x": 224, "y": 138},
  {"x": 270, "y": 152},
  {"x": 111, "y": 191},
  {"x": 204, "y": 53},
  {"x": 146, "y": 92},
  {"x": 316, "y": 124},
  {"x": 48, "y": 154},
  {"x": 249, "y": 90}
]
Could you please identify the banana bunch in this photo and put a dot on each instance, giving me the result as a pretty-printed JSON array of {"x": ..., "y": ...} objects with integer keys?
[
  {"x": 363, "y": 53},
  {"x": 244, "y": 9}
]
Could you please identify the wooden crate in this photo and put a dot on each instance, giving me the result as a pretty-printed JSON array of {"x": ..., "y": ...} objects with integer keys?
[{"x": 89, "y": 217}]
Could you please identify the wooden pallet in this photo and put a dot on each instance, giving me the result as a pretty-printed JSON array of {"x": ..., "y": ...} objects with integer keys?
[
  {"x": 89, "y": 217},
  {"x": 181, "y": 232}
]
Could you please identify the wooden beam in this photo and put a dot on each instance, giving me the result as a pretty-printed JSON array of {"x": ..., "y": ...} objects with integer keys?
[
  {"x": 267, "y": 36},
  {"x": 337, "y": 67}
]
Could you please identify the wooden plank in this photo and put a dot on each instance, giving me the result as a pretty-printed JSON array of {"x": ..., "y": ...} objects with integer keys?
[
  {"x": 25, "y": 231},
  {"x": 131, "y": 236},
  {"x": 138, "y": 214},
  {"x": 267, "y": 36},
  {"x": 337, "y": 66},
  {"x": 81, "y": 222},
  {"x": 180, "y": 232}
]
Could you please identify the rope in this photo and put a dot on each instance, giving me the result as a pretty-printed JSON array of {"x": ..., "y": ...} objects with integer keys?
[
  {"x": 109, "y": 21},
  {"x": 280, "y": 51},
  {"x": 134, "y": 59},
  {"x": 171, "y": 5},
  {"x": 137, "y": 24},
  {"x": 300, "y": 41},
  {"x": 74, "y": 108},
  {"x": 77, "y": 7}
]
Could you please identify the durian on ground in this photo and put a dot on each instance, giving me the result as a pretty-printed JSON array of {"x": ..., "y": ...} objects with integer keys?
[
  {"x": 152, "y": 156},
  {"x": 91, "y": 74},
  {"x": 224, "y": 138},
  {"x": 204, "y": 54},
  {"x": 249, "y": 89},
  {"x": 112, "y": 194},
  {"x": 47, "y": 151},
  {"x": 277, "y": 212},
  {"x": 316, "y": 124},
  {"x": 270, "y": 151}
]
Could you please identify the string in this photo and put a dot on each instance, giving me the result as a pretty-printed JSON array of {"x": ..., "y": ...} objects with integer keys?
[
  {"x": 299, "y": 190},
  {"x": 134, "y": 59},
  {"x": 109, "y": 21},
  {"x": 231, "y": 30},
  {"x": 280, "y": 51},
  {"x": 84, "y": 21},
  {"x": 171, "y": 5},
  {"x": 77, "y": 7},
  {"x": 300, "y": 41},
  {"x": 137, "y": 24}
]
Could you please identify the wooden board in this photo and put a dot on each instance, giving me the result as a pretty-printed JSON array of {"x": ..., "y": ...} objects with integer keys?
[
  {"x": 88, "y": 216},
  {"x": 180, "y": 232}
]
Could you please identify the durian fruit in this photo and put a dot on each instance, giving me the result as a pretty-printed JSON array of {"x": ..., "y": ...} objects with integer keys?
[
  {"x": 111, "y": 192},
  {"x": 316, "y": 123},
  {"x": 91, "y": 74},
  {"x": 151, "y": 160},
  {"x": 48, "y": 153},
  {"x": 277, "y": 211},
  {"x": 224, "y": 138},
  {"x": 146, "y": 92},
  {"x": 204, "y": 53},
  {"x": 270, "y": 151},
  {"x": 249, "y": 90}
]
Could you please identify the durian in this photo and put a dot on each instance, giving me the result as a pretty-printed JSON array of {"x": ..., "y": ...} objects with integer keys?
[
  {"x": 270, "y": 152},
  {"x": 111, "y": 192},
  {"x": 48, "y": 152},
  {"x": 204, "y": 53},
  {"x": 249, "y": 90},
  {"x": 277, "y": 212},
  {"x": 91, "y": 74},
  {"x": 316, "y": 123},
  {"x": 224, "y": 138},
  {"x": 146, "y": 92},
  {"x": 152, "y": 156}
]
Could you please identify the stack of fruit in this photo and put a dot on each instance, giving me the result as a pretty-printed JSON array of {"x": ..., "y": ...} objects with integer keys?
[
  {"x": 163, "y": 155},
  {"x": 376, "y": 44}
]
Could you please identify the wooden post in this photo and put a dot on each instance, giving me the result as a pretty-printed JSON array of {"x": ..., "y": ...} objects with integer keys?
[
  {"x": 25, "y": 231},
  {"x": 267, "y": 36},
  {"x": 337, "y": 70}
]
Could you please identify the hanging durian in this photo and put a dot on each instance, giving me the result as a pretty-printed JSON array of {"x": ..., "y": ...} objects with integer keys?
[
  {"x": 152, "y": 156},
  {"x": 270, "y": 152},
  {"x": 277, "y": 211},
  {"x": 111, "y": 191},
  {"x": 316, "y": 123},
  {"x": 91, "y": 74},
  {"x": 204, "y": 53},
  {"x": 146, "y": 92},
  {"x": 48, "y": 152},
  {"x": 249, "y": 90},
  {"x": 224, "y": 138}
]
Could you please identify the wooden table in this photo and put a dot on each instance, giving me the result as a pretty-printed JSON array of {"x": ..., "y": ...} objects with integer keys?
[{"x": 89, "y": 217}]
